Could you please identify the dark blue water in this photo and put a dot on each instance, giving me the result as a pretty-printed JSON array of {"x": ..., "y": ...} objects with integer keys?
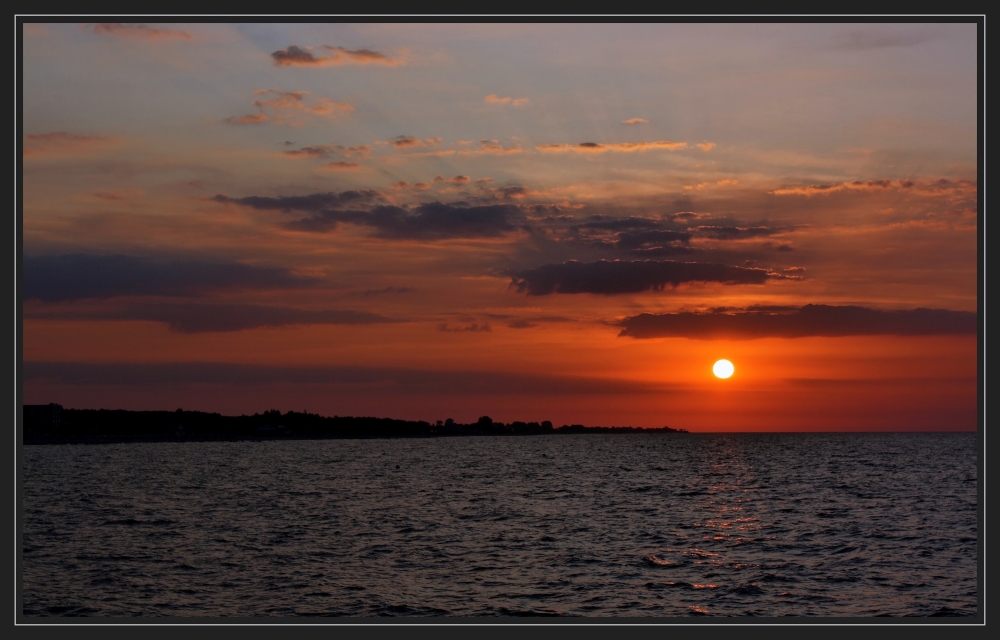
[{"x": 591, "y": 525}]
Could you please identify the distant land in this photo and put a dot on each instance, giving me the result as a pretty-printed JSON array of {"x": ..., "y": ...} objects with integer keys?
[{"x": 52, "y": 424}]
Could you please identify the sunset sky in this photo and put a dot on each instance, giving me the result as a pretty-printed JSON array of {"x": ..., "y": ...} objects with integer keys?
[{"x": 531, "y": 222}]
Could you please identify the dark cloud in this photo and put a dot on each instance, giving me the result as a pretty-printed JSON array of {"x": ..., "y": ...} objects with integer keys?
[
  {"x": 810, "y": 320},
  {"x": 399, "y": 381},
  {"x": 75, "y": 276},
  {"x": 311, "y": 203},
  {"x": 454, "y": 180},
  {"x": 474, "y": 327},
  {"x": 409, "y": 142},
  {"x": 609, "y": 223},
  {"x": 640, "y": 239},
  {"x": 340, "y": 165},
  {"x": 729, "y": 232},
  {"x": 521, "y": 324},
  {"x": 295, "y": 55},
  {"x": 390, "y": 289},
  {"x": 429, "y": 221},
  {"x": 438, "y": 220},
  {"x": 209, "y": 318},
  {"x": 618, "y": 277},
  {"x": 534, "y": 321},
  {"x": 328, "y": 150}
]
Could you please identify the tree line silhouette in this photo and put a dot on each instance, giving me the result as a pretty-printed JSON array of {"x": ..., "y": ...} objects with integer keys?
[{"x": 45, "y": 424}]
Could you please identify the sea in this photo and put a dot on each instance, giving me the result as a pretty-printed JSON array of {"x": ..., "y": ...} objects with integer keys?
[{"x": 636, "y": 526}]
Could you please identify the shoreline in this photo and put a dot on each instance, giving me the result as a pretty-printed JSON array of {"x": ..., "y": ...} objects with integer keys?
[{"x": 52, "y": 424}]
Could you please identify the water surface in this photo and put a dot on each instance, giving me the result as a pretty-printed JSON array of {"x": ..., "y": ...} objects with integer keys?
[{"x": 574, "y": 525}]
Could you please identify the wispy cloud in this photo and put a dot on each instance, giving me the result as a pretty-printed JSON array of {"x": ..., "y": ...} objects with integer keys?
[
  {"x": 286, "y": 107},
  {"x": 295, "y": 55},
  {"x": 400, "y": 380},
  {"x": 453, "y": 180},
  {"x": 209, "y": 317},
  {"x": 492, "y": 147},
  {"x": 409, "y": 142},
  {"x": 474, "y": 327},
  {"x": 596, "y": 147},
  {"x": 856, "y": 185},
  {"x": 430, "y": 221},
  {"x": 486, "y": 147},
  {"x": 329, "y": 150},
  {"x": 619, "y": 277},
  {"x": 63, "y": 143},
  {"x": 250, "y": 118},
  {"x": 631, "y": 121},
  {"x": 810, "y": 320},
  {"x": 118, "y": 195},
  {"x": 142, "y": 31},
  {"x": 340, "y": 165},
  {"x": 514, "y": 102},
  {"x": 77, "y": 276},
  {"x": 725, "y": 182}
]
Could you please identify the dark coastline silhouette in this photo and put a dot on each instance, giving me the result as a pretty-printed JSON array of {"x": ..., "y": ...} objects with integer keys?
[{"x": 52, "y": 424}]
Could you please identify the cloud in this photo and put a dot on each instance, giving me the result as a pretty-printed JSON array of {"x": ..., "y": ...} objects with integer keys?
[
  {"x": 406, "y": 381},
  {"x": 454, "y": 180},
  {"x": 314, "y": 203},
  {"x": 725, "y": 182},
  {"x": 706, "y": 146},
  {"x": 595, "y": 147},
  {"x": 655, "y": 237},
  {"x": 340, "y": 165},
  {"x": 296, "y": 56},
  {"x": 514, "y": 102},
  {"x": 619, "y": 277},
  {"x": 475, "y": 328},
  {"x": 118, "y": 195},
  {"x": 632, "y": 121},
  {"x": 808, "y": 321},
  {"x": 385, "y": 290},
  {"x": 76, "y": 276},
  {"x": 490, "y": 147},
  {"x": 217, "y": 318},
  {"x": 252, "y": 118},
  {"x": 62, "y": 143},
  {"x": 432, "y": 221},
  {"x": 329, "y": 150},
  {"x": 856, "y": 185},
  {"x": 427, "y": 221},
  {"x": 286, "y": 107},
  {"x": 409, "y": 142},
  {"x": 526, "y": 322},
  {"x": 140, "y": 31},
  {"x": 729, "y": 232},
  {"x": 486, "y": 147},
  {"x": 636, "y": 235}
]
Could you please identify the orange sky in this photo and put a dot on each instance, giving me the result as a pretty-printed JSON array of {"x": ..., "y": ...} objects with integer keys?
[{"x": 431, "y": 221}]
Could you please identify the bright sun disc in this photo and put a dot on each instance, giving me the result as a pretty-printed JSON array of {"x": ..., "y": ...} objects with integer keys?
[{"x": 723, "y": 369}]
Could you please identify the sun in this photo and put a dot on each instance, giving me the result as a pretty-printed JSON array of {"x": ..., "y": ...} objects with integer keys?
[{"x": 723, "y": 369}]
